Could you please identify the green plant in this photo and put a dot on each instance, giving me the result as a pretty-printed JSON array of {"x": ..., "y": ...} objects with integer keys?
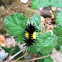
[{"x": 45, "y": 42}]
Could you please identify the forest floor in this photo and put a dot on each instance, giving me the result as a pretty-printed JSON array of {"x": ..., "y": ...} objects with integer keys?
[{"x": 47, "y": 20}]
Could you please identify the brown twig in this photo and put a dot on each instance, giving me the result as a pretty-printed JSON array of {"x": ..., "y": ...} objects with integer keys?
[
  {"x": 20, "y": 57},
  {"x": 22, "y": 49},
  {"x": 10, "y": 54},
  {"x": 52, "y": 12},
  {"x": 40, "y": 57}
]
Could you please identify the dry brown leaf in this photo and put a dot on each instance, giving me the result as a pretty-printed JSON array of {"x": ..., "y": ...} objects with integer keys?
[{"x": 2, "y": 40}]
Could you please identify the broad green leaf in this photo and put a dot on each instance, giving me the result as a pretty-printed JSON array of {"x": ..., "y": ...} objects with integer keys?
[
  {"x": 60, "y": 4},
  {"x": 33, "y": 49},
  {"x": 59, "y": 40},
  {"x": 8, "y": 50},
  {"x": 61, "y": 48},
  {"x": 57, "y": 47},
  {"x": 36, "y": 4},
  {"x": 48, "y": 59},
  {"x": 19, "y": 55},
  {"x": 58, "y": 30},
  {"x": 59, "y": 18},
  {"x": 16, "y": 49},
  {"x": 46, "y": 42},
  {"x": 58, "y": 33},
  {"x": 44, "y": 53},
  {"x": 36, "y": 20},
  {"x": 15, "y": 25},
  {"x": 54, "y": 3},
  {"x": 39, "y": 28},
  {"x": 41, "y": 60}
]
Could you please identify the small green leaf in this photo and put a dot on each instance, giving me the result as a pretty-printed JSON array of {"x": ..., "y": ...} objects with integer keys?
[
  {"x": 59, "y": 3},
  {"x": 48, "y": 59},
  {"x": 19, "y": 55},
  {"x": 58, "y": 30},
  {"x": 61, "y": 48},
  {"x": 39, "y": 28},
  {"x": 33, "y": 49},
  {"x": 46, "y": 42},
  {"x": 8, "y": 50},
  {"x": 16, "y": 49},
  {"x": 54, "y": 3},
  {"x": 59, "y": 18},
  {"x": 59, "y": 40},
  {"x": 44, "y": 53},
  {"x": 58, "y": 33},
  {"x": 57, "y": 47},
  {"x": 36, "y": 4},
  {"x": 41, "y": 60},
  {"x": 36, "y": 20},
  {"x": 15, "y": 25}
]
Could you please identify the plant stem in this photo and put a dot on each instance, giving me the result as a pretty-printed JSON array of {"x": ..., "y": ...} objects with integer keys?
[
  {"x": 41, "y": 57},
  {"x": 10, "y": 54},
  {"x": 52, "y": 12},
  {"x": 20, "y": 57},
  {"x": 55, "y": 12},
  {"x": 17, "y": 53}
]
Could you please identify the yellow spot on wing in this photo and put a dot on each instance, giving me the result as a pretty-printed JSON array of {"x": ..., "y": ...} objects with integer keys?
[
  {"x": 34, "y": 35},
  {"x": 27, "y": 35}
]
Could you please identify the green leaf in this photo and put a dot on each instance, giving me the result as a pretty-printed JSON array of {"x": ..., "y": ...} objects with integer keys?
[
  {"x": 58, "y": 30},
  {"x": 59, "y": 18},
  {"x": 54, "y": 3},
  {"x": 58, "y": 33},
  {"x": 57, "y": 47},
  {"x": 32, "y": 49},
  {"x": 8, "y": 50},
  {"x": 48, "y": 59},
  {"x": 41, "y": 60},
  {"x": 39, "y": 28},
  {"x": 36, "y": 20},
  {"x": 16, "y": 49},
  {"x": 59, "y": 40},
  {"x": 19, "y": 55},
  {"x": 61, "y": 48},
  {"x": 44, "y": 53},
  {"x": 46, "y": 42},
  {"x": 15, "y": 25},
  {"x": 36, "y": 4},
  {"x": 60, "y": 3}
]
